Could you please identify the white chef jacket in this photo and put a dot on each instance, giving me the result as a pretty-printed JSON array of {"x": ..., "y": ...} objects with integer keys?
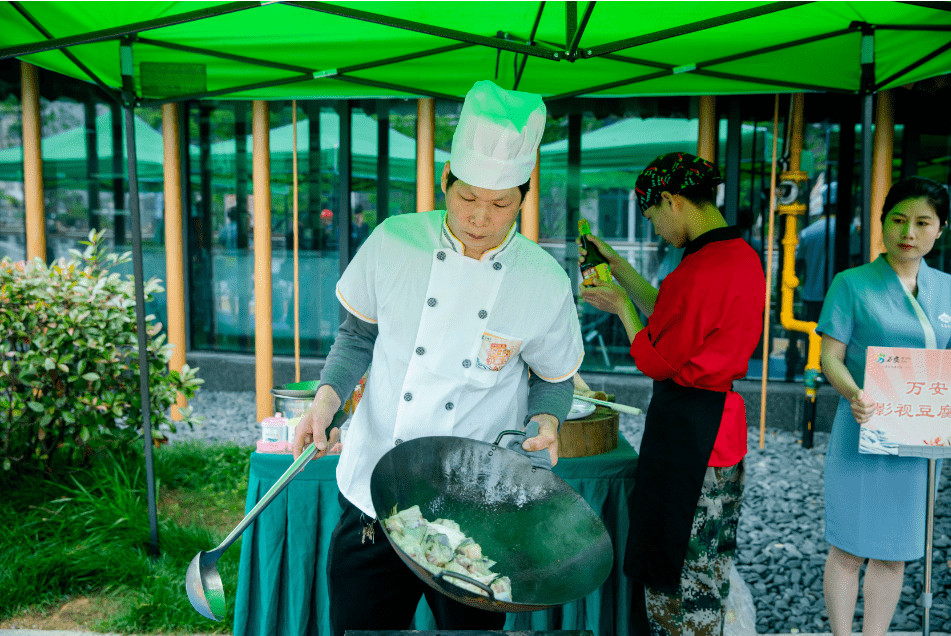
[{"x": 455, "y": 336}]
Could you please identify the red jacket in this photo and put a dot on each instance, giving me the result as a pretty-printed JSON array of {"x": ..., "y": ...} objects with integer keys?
[{"x": 707, "y": 320}]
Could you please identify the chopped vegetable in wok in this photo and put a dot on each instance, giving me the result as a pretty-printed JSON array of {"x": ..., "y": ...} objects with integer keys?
[{"x": 441, "y": 545}]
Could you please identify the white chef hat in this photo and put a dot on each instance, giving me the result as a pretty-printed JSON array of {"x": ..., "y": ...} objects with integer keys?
[{"x": 497, "y": 137}]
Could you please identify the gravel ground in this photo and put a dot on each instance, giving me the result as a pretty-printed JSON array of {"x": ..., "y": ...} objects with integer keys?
[{"x": 782, "y": 548}]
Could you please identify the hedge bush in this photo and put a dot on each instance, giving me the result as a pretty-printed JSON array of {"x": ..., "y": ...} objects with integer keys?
[{"x": 69, "y": 366}]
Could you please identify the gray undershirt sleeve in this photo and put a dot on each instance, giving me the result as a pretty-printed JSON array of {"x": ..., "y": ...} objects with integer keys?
[
  {"x": 349, "y": 356},
  {"x": 553, "y": 398}
]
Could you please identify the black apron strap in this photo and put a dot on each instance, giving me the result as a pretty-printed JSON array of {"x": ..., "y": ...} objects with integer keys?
[{"x": 680, "y": 429}]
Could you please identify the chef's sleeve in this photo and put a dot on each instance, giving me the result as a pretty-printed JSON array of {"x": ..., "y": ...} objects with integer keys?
[
  {"x": 553, "y": 398},
  {"x": 556, "y": 354},
  {"x": 837, "y": 317},
  {"x": 356, "y": 289},
  {"x": 349, "y": 356}
]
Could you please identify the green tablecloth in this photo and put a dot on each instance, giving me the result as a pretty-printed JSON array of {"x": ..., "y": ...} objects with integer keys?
[{"x": 282, "y": 580}]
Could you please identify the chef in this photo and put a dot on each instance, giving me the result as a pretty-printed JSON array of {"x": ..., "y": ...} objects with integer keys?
[
  {"x": 704, "y": 323},
  {"x": 471, "y": 329}
]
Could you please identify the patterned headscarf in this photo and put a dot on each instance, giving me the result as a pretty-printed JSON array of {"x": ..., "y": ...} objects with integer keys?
[{"x": 674, "y": 172}]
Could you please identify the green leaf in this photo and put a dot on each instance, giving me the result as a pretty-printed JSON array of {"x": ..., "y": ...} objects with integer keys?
[
  {"x": 91, "y": 376},
  {"x": 49, "y": 364},
  {"x": 36, "y": 406}
]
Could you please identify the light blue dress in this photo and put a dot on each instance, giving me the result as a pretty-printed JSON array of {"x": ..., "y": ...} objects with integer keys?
[{"x": 875, "y": 504}]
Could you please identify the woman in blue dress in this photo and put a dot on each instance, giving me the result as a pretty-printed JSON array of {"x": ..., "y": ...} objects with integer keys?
[{"x": 875, "y": 504}]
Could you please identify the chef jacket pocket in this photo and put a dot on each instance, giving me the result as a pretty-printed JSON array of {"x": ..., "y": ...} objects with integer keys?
[{"x": 496, "y": 351}]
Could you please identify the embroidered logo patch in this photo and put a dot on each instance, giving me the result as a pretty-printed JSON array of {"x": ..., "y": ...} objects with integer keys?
[
  {"x": 496, "y": 351},
  {"x": 945, "y": 318}
]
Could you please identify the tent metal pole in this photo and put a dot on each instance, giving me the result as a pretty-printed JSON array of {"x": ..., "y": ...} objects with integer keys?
[
  {"x": 913, "y": 66},
  {"x": 774, "y": 48},
  {"x": 226, "y": 91},
  {"x": 797, "y": 86},
  {"x": 708, "y": 130},
  {"x": 883, "y": 146},
  {"x": 609, "y": 85},
  {"x": 124, "y": 30},
  {"x": 769, "y": 279},
  {"x": 573, "y": 193},
  {"x": 531, "y": 42},
  {"x": 383, "y": 160},
  {"x": 575, "y": 40},
  {"x": 138, "y": 269},
  {"x": 174, "y": 254},
  {"x": 344, "y": 186},
  {"x": 295, "y": 232},
  {"x": 529, "y": 226},
  {"x": 693, "y": 27},
  {"x": 425, "y": 154},
  {"x": 32, "y": 163},
  {"x": 940, "y": 6},
  {"x": 734, "y": 156},
  {"x": 409, "y": 90},
  {"x": 263, "y": 337},
  {"x": 571, "y": 21},
  {"x": 429, "y": 29},
  {"x": 867, "y": 58},
  {"x": 92, "y": 162},
  {"x": 72, "y": 58}
]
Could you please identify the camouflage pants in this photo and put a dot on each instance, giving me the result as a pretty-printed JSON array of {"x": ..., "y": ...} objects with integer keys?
[{"x": 697, "y": 609}]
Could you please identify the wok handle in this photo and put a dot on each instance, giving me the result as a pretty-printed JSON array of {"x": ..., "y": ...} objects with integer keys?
[
  {"x": 442, "y": 574},
  {"x": 509, "y": 432}
]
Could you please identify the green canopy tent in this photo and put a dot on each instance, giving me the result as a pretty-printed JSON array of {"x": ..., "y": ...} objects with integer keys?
[
  {"x": 363, "y": 148},
  {"x": 615, "y": 154},
  {"x": 64, "y": 155}
]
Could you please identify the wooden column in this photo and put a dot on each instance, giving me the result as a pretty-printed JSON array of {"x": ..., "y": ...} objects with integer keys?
[
  {"x": 174, "y": 254},
  {"x": 707, "y": 131},
  {"x": 530, "y": 209},
  {"x": 882, "y": 147},
  {"x": 32, "y": 164},
  {"x": 263, "y": 339},
  {"x": 425, "y": 154}
]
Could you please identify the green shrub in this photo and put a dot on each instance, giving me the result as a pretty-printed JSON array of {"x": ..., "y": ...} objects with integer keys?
[{"x": 69, "y": 366}]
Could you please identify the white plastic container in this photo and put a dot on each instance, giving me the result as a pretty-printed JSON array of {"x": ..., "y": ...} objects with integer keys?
[{"x": 274, "y": 429}]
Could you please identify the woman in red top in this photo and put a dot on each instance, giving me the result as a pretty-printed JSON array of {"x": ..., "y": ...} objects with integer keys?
[{"x": 704, "y": 323}]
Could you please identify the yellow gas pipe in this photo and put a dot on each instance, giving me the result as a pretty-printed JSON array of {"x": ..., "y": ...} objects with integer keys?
[{"x": 790, "y": 281}]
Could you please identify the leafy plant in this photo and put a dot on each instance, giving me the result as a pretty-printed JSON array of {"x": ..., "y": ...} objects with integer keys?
[{"x": 69, "y": 366}]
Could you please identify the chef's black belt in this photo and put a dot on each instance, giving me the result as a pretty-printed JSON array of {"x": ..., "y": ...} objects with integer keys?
[{"x": 679, "y": 432}]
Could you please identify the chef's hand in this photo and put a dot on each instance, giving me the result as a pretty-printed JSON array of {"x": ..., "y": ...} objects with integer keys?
[
  {"x": 541, "y": 434},
  {"x": 606, "y": 296},
  {"x": 609, "y": 253},
  {"x": 313, "y": 425},
  {"x": 862, "y": 409}
]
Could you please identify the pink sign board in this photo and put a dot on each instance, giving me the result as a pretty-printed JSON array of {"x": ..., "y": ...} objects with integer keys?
[{"x": 912, "y": 391}]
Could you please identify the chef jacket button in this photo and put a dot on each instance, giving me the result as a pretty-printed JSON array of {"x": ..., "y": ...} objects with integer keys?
[
  {"x": 483, "y": 313},
  {"x": 449, "y": 406},
  {"x": 407, "y": 396},
  {"x": 497, "y": 266},
  {"x": 431, "y": 302},
  {"x": 466, "y": 364},
  {"x": 420, "y": 351},
  {"x": 397, "y": 442},
  {"x": 441, "y": 255}
]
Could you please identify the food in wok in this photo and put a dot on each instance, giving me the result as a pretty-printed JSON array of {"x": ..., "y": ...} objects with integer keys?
[{"x": 441, "y": 545}]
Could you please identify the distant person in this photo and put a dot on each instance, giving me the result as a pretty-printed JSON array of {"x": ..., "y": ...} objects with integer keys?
[
  {"x": 359, "y": 230},
  {"x": 229, "y": 235},
  {"x": 328, "y": 233},
  {"x": 875, "y": 504}
]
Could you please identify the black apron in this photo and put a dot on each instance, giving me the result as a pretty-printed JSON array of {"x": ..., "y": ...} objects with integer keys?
[{"x": 680, "y": 429}]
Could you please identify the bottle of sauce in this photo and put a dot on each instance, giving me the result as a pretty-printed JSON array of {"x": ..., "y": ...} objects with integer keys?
[{"x": 594, "y": 264}]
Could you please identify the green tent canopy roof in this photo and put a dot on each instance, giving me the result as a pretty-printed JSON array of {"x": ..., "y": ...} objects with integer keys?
[{"x": 282, "y": 50}]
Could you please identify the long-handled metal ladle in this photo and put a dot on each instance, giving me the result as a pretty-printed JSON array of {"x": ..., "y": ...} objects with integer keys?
[{"x": 202, "y": 581}]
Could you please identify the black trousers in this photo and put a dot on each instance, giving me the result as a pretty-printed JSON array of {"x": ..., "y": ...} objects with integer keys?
[{"x": 370, "y": 588}]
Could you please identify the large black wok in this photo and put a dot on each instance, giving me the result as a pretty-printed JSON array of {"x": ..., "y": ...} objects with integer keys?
[{"x": 541, "y": 533}]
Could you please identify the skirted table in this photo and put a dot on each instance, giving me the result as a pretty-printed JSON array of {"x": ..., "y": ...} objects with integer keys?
[{"x": 282, "y": 580}]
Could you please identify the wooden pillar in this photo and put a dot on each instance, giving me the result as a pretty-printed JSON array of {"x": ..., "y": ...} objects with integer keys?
[
  {"x": 530, "y": 209},
  {"x": 263, "y": 340},
  {"x": 707, "y": 131},
  {"x": 32, "y": 164},
  {"x": 425, "y": 154},
  {"x": 882, "y": 147},
  {"x": 174, "y": 259}
]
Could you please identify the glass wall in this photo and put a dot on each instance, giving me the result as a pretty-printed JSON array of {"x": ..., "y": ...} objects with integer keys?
[{"x": 591, "y": 154}]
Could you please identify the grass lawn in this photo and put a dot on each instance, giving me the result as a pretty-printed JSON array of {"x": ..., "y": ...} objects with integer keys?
[{"x": 74, "y": 553}]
